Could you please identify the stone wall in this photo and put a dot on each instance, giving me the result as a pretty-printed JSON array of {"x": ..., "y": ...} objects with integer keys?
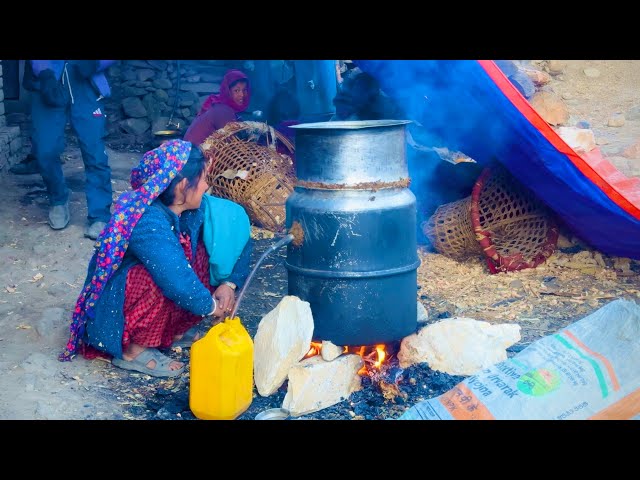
[
  {"x": 146, "y": 94},
  {"x": 11, "y": 151}
]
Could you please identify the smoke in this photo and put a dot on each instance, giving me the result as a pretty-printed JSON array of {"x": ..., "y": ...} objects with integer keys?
[
  {"x": 451, "y": 103},
  {"x": 451, "y": 99}
]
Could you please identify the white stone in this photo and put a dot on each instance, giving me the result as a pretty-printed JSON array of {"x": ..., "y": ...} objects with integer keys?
[
  {"x": 330, "y": 351},
  {"x": 283, "y": 338},
  {"x": 579, "y": 139},
  {"x": 315, "y": 384},
  {"x": 423, "y": 315},
  {"x": 459, "y": 346}
]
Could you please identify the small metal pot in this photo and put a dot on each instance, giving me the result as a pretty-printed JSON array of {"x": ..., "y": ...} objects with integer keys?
[
  {"x": 161, "y": 136},
  {"x": 273, "y": 414},
  {"x": 167, "y": 133}
]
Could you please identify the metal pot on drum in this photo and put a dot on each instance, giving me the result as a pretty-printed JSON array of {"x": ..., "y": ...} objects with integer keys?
[{"x": 355, "y": 256}]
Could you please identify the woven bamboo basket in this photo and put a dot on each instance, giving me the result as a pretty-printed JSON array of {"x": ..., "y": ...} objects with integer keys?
[
  {"x": 246, "y": 167},
  {"x": 501, "y": 220}
]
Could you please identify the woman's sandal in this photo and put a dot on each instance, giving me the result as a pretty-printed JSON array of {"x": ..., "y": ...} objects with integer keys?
[
  {"x": 188, "y": 338},
  {"x": 139, "y": 364}
]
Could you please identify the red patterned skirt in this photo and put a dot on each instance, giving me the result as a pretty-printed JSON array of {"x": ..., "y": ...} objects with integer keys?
[{"x": 150, "y": 318}]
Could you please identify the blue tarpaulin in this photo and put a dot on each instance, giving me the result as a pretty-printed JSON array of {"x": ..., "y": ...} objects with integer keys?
[{"x": 471, "y": 106}]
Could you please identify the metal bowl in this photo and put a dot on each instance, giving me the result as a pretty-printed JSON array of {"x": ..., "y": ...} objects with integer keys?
[
  {"x": 273, "y": 414},
  {"x": 167, "y": 133}
]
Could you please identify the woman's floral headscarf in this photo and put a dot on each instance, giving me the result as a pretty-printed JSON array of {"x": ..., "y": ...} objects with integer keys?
[{"x": 157, "y": 169}]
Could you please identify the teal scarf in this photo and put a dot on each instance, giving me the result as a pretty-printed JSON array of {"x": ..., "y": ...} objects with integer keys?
[{"x": 226, "y": 231}]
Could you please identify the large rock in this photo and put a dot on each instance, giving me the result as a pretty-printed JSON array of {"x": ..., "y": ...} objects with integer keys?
[
  {"x": 556, "y": 67},
  {"x": 145, "y": 74},
  {"x": 128, "y": 75},
  {"x": 523, "y": 83},
  {"x": 129, "y": 91},
  {"x": 538, "y": 77},
  {"x": 550, "y": 107},
  {"x": 136, "y": 126},
  {"x": 459, "y": 346},
  {"x": 163, "y": 83},
  {"x": 152, "y": 106},
  {"x": 283, "y": 338},
  {"x": 133, "y": 107},
  {"x": 161, "y": 95},
  {"x": 315, "y": 384}
]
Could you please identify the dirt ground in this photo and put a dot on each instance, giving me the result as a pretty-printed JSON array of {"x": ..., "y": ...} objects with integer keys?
[{"x": 42, "y": 271}]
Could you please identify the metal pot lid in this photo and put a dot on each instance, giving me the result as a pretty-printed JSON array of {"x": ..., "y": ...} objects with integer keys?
[{"x": 351, "y": 124}]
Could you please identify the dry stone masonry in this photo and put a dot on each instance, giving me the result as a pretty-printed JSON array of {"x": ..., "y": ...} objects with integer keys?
[
  {"x": 11, "y": 151},
  {"x": 144, "y": 93}
]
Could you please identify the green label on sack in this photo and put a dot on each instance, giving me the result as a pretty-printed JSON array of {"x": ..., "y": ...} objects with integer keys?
[{"x": 539, "y": 382}]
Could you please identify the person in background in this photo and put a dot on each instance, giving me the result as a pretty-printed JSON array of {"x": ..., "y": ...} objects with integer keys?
[
  {"x": 282, "y": 112},
  {"x": 155, "y": 274},
  {"x": 222, "y": 108},
  {"x": 359, "y": 98},
  {"x": 71, "y": 90}
]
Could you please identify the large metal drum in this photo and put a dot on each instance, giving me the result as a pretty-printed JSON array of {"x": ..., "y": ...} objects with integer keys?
[{"x": 355, "y": 254}]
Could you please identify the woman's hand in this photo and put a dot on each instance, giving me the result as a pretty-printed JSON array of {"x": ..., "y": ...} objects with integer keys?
[{"x": 226, "y": 298}]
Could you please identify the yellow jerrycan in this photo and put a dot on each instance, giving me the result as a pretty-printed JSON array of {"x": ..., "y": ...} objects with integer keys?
[{"x": 221, "y": 384}]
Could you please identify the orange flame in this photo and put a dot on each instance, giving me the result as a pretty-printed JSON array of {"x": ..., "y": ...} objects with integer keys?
[
  {"x": 381, "y": 355},
  {"x": 373, "y": 357},
  {"x": 314, "y": 349}
]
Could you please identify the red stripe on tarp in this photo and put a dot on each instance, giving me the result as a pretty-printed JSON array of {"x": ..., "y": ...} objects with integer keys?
[{"x": 623, "y": 191}]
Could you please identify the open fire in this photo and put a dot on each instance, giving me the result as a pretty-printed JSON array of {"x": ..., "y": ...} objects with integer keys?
[{"x": 374, "y": 357}]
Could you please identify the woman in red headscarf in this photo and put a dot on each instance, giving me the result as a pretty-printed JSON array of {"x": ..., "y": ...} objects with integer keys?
[{"x": 220, "y": 109}]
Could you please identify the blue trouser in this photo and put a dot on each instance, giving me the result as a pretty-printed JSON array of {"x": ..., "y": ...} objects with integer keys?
[{"x": 88, "y": 121}]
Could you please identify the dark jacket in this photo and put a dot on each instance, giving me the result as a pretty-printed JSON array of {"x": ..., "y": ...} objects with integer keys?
[
  {"x": 155, "y": 243},
  {"x": 92, "y": 70}
]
